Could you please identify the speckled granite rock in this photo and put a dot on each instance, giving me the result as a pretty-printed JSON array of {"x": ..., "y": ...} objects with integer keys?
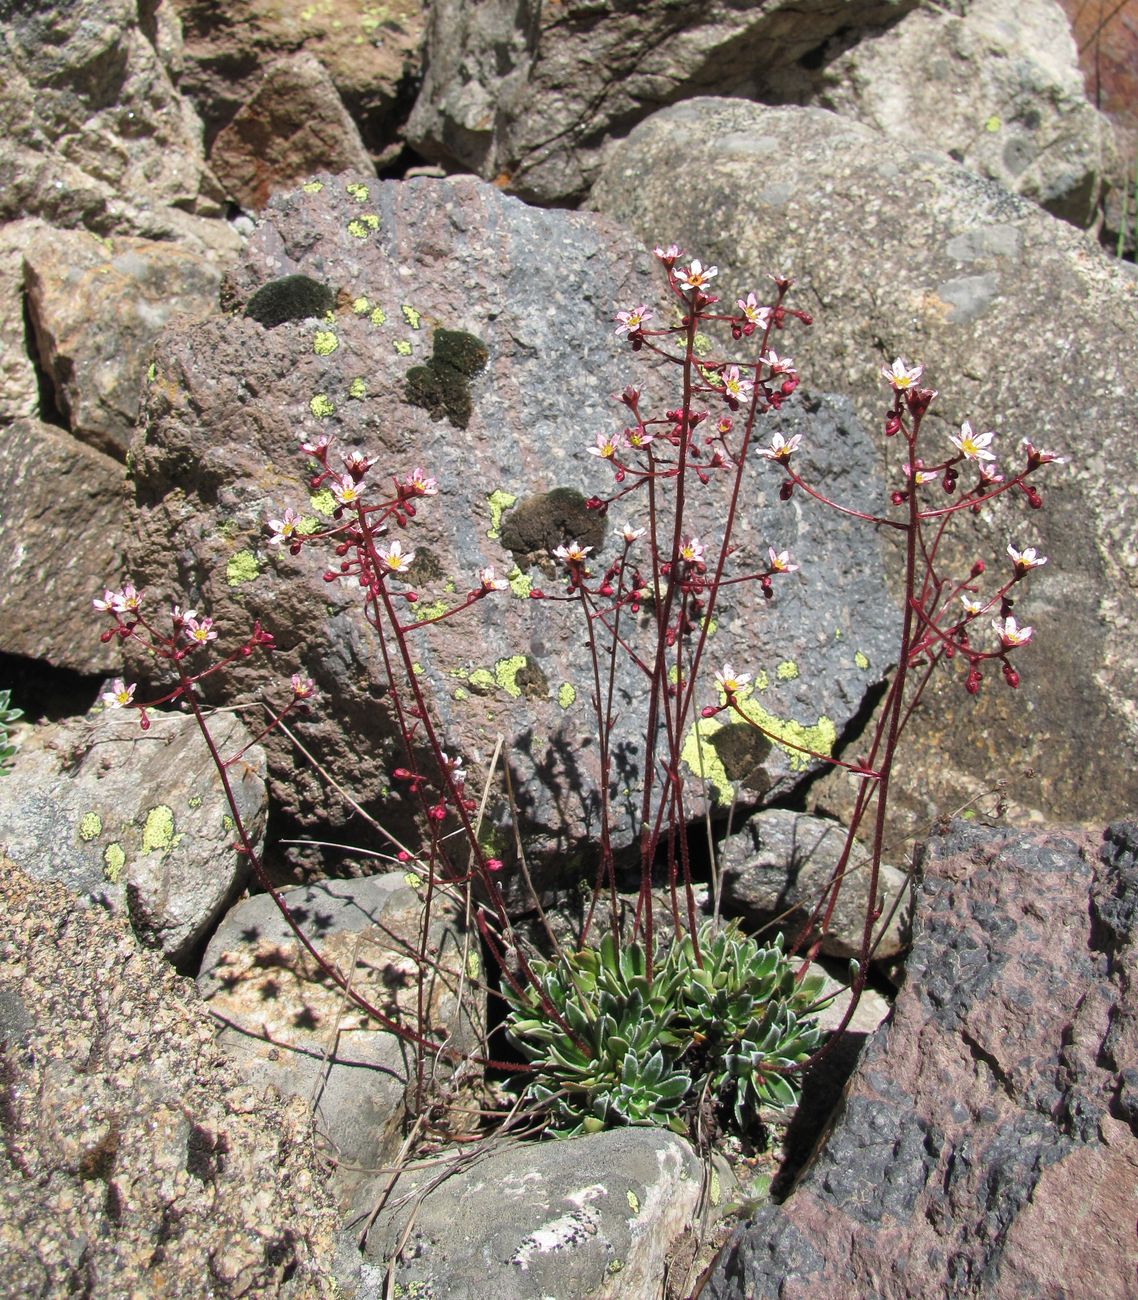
[
  {"x": 134, "y": 1163},
  {"x": 987, "y": 1144}
]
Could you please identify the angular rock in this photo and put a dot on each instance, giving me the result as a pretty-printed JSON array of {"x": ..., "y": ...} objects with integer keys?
[
  {"x": 19, "y": 384},
  {"x": 999, "y": 89},
  {"x": 902, "y": 253},
  {"x": 986, "y": 1144},
  {"x": 63, "y": 508},
  {"x": 286, "y": 1025},
  {"x": 530, "y": 96},
  {"x": 592, "y": 1216},
  {"x": 414, "y": 268},
  {"x": 781, "y": 863},
  {"x": 371, "y": 53},
  {"x": 135, "y": 820},
  {"x": 96, "y": 306},
  {"x": 92, "y": 130},
  {"x": 135, "y": 1162},
  {"x": 291, "y": 126}
]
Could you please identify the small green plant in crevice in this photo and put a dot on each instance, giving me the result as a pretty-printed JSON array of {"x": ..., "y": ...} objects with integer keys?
[
  {"x": 611, "y": 1045},
  {"x": 7, "y": 717}
]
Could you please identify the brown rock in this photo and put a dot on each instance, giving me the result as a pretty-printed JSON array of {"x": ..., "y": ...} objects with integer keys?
[
  {"x": 62, "y": 514},
  {"x": 96, "y": 306},
  {"x": 19, "y": 386},
  {"x": 292, "y": 126}
]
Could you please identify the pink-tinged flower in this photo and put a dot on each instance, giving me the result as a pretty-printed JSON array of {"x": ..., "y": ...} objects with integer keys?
[
  {"x": 697, "y": 275},
  {"x": 755, "y": 314},
  {"x": 779, "y": 365},
  {"x": 315, "y": 446},
  {"x": 1037, "y": 456},
  {"x": 107, "y": 604},
  {"x": 357, "y": 464},
  {"x": 1010, "y": 634},
  {"x": 920, "y": 475},
  {"x": 395, "y": 558},
  {"x": 631, "y": 322},
  {"x": 668, "y": 255},
  {"x": 735, "y": 387},
  {"x": 346, "y": 490},
  {"x": 639, "y": 438},
  {"x": 119, "y": 695},
  {"x": 128, "y": 600},
  {"x": 489, "y": 582},
  {"x": 729, "y": 681},
  {"x": 284, "y": 530},
  {"x": 200, "y": 632},
  {"x": 572, "y": 554},
  {"x": 631, "y": 534},
  {"x": 972, "y": 607},
  {"x": 973, "y": 446},
  {"x": 303, "y": 688},
  {"x": 990, "y": 475},
  {"x": 1026, "y": 559},
  {"x": 180, "y": 617},
  {"x": 691, "y": 550},
  {"x": 608, "y": 446},
  {"x": 418, "y": 484},
  {"x": 781, "y": 449},
  {"x": 780, "y": 561},
  {"x": 901, "y": 376}
]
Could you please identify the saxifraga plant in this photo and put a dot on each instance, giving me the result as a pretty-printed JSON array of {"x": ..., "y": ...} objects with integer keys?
[
  {"x": 8, "y": 715},
  {"x": 637, "y": 1026}
]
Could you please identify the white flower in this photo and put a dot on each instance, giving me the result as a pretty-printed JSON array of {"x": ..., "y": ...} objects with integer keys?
[
  {"x": 631, "y": 534},
  {"x": 1010, "y": 634},
  {"x": 489, "y": 582},
  {"x": 973, "y": 446},
  {"x": 284, "y": 530},
  {"x": 729, "y": 681},
  {"x": 119, "y": 695},
  {"x": 395, "y": 558},
  {"x": 697, "y": 275},
  {"x": 572, "y": 554},
  {"x": 901, "y": 376},
  {"x": 780, "y": 561},
  {"x": 1026, "y": 559}
]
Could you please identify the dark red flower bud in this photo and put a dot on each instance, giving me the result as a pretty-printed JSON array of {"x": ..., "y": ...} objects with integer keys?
[
  {"x": 1010, "y": 675},
  {"x": 972, "y": 682},
  {"x": 787, "y": 490}
]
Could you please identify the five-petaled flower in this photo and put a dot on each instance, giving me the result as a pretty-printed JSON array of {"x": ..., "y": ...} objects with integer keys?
[
  {"x": 357, "y": 464},
  {"x": 315, "y": 447},
  {"x": 639, "y": 437},
  {"x": 735, "y": 387},
  {"x": 729, "y": 681},
  {"x": 119, "y": 694},
  {"x": 691, "y": 550},
  {"x": 780, "y": 561},
  {"x": 303, "y": 688},
  {"x": 1026, "y": 559},
  {"x": 631, "y": 534},
  {"x": 418, "y": 484},
  {"x": 1010, "y": 633},
  {"x": 697, "y": 275},
  {"x": 199, "y": 632},
  {"x": 1037, "y": 456},
  {"x": 489, "y": 582},
  {"x": 668, "y": 255},
  {"x": 779, "y": 365},
  {"x": 284, "y": 530},
  {"x": 781, "y": 449},
  {"x": 608, "y": 445},
  {"x": 973, "y": 446},
  {"x": 346, "y": 491},
  {"x": 918, "y": 474},
  {"x": 395, "y": 558},
  {"x": 901, "y": 376},
  {"x": 574, "y": 553},
  {"x": 972, "y": 607},
  {"x": 107, "y": 604},
  {"x": 756, "y": 316},
  {"x": 632, "y": 322}
]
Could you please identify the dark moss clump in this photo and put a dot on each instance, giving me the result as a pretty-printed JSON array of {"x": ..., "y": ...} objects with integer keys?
[
  {"x": 532, "y": 681},
  {"x": 742, "y": 750},
  {"x": 544, "y": 522},
  {"x": 292, "y": 297},
  {"x": 442, "y": 386}
]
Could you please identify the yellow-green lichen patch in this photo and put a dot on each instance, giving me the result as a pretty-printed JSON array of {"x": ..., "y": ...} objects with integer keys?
[
  {"x": 227, "y": 823},
  {"x": 461, "y": 693},
  {"x": 715, "y": 1189},
  {"x": 90, "y": 827},
  {"x": 357, "y": 388},
  {"x": 992, "y": 124},
  {"x": 481, "y": 681},
  {"x": 434, "y": 610},
  {"x": 358, "y": 192},
  {"x": 566, "y": 694},
  {"x": 312, "y": 187},
  {"x": 195, "y": 801},
  {"x": 321, "y": 406},
  {"x": 412, "y": 881},
  {"x": 360, "y": 305},
  {"x": 361, "y": 227},
  {"x": 520, "y": 583},
  {"x": 152, "y": 372},
  {"x": 633, "y": 1201},
  {"x": 861, "y": 660},
  {"x": 762, "y": 681},
  {"x": 308, "y": 525},
  {"x": 377, "y": 316},
  {"x": 506, "y": 674},
  {"x": 702, "y": 345},
  {"x": 114, "y": 859},
  {"x": 787, "y": 671},
  {"x": 324, "y": 343},
  {"x": 473, "y": 964},
  {"x": 329, "y": 317},
  {"x": 227, "y": 529},
  {"x": 242, "y": 567},
  {"x": 403, "y": 347},
  {"x": 499, "y": 502},
  {"x": 417, "y": 669},
  {"x": 411, "y": 316},
  {"x": 323, "y": 502},
  {"x": 158, "y": 830}
]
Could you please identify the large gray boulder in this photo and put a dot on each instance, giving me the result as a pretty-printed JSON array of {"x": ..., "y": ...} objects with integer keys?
[
  {"x": 397, "y": 264},
  {"x": 986, "y": 1142},
  {"x": 531, "y": 95},
  {"x": 1025, "y": 327}
]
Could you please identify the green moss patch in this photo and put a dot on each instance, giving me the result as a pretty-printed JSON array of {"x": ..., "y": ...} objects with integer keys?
[
  {"x": 292, "y": 297},
  {"x": 442, "y": 386}
]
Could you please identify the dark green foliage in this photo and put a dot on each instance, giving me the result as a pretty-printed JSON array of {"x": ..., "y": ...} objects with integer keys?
[
  {"x": 544, "y": 522},
  {"x": 442, "y": 386},
  {"x": 292, "y": 297},
  {"x": 623, "y": 1050},
  {"x": 7, "y": 716}
]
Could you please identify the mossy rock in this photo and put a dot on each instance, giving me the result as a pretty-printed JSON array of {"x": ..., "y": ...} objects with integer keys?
[
  {"x": 442, "y": 385},
  {"x": 292, "y": 297},
  {"x": 542, "y": 523}
]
